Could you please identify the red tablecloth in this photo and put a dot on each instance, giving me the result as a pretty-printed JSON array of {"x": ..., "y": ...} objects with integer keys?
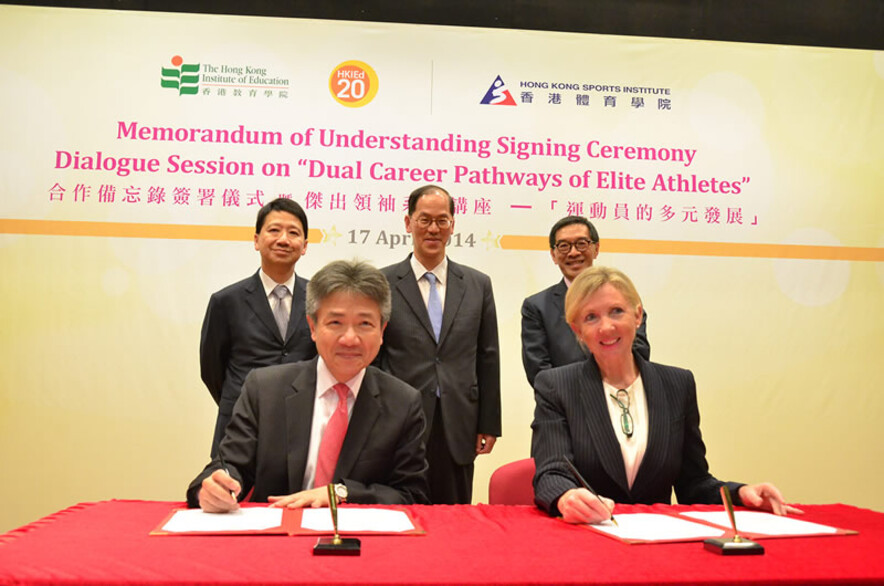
[{"x": 108, "y": 542}]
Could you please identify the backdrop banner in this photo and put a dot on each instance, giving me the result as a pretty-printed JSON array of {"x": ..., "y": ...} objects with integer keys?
[{"x": 739, "y": 186}]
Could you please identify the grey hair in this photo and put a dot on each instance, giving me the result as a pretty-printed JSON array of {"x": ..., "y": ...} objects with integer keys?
[{"x": 356, "y": 277}]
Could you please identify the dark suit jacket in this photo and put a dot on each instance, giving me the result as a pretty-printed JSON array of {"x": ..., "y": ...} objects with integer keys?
[
  {"x": 239, "y": 334},
  {"x": 547, "y": 339},
  {"x": 465, "y": 365},
  {"x": 571, "y": 420},
  {"x": 267, "y": 440}
]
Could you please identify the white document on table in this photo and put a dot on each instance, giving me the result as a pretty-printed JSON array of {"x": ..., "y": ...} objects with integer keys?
[
  {"x": 357, "y": 520},
  {"x": 655, "y": 527},
  {"x": 761, "y": 523},
  {"x": 242, "y": 519}
]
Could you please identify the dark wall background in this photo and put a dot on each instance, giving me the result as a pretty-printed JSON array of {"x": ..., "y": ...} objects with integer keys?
[{"x": 857, "y": 24}]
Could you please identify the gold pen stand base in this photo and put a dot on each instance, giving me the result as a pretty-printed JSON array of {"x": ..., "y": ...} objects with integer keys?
[
  {"x": 337, "y": 546},
  {"x": 733, "y": 547}
]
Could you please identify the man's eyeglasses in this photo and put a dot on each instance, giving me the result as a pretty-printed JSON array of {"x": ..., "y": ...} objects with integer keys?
[
  {"x": 581, "y": 244},
  {"x": 622, "y": 398},
  {"x": 424, "y": 222}
]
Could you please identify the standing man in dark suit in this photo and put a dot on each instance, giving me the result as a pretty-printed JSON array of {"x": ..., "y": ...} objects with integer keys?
[
  {"x": 442, "y": 340},
  {"x": 547, "y": 339},
  {"x": 260, "y": 320},
  {"x": 297, "y": 428}
]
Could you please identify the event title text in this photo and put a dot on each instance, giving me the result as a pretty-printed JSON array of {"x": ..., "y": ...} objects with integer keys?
[{"x": 311, "y": 139}]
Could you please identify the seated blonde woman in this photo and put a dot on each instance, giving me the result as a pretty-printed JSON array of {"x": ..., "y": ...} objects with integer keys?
[{"x": 631, "y": 427}]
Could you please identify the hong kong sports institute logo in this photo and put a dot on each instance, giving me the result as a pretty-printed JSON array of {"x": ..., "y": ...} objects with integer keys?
[
  {"x": 184, "y": 77},
  {"x": 498, "y": 95}
]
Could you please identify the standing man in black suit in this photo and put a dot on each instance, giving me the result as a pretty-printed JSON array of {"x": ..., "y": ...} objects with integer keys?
[
  {"x": 547, "y": 339},
  {"x": 260, "y": 320},
  {"x": 442, "y": 340},
  {"x": 297, "y": 428}
]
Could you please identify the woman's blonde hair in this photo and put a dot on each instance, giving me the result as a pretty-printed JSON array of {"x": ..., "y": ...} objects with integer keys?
[{"x": 593, "y": 279}]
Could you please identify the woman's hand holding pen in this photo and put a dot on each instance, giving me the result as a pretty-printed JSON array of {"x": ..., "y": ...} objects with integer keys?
[
  {"x": 218, "y": 493},
  {"x": 585, "y": 508},
  {"x": 578, "y": 505}
]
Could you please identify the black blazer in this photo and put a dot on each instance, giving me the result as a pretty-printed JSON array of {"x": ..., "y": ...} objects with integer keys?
[
  {"x": 547, "y": 339},
  {"x": 266, "y": 444},
  {"x": 239, "y": 334},
  {"x": 571, "y": 420},
  {"x": 465, "y": 364}
]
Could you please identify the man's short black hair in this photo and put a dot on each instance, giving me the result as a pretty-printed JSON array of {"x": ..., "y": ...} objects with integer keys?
[
  {"x": 569, "y": 220},
  {"x": 282, "y": 204},
  {"x": 421, "y": 191}
]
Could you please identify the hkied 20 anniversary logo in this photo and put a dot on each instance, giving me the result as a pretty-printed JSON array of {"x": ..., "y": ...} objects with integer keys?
[
  {"x": 223, "y": 80},
  {"x": 353, "y": 84}
]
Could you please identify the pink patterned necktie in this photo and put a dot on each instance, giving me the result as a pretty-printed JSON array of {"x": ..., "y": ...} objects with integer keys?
[{"x": 332, "y": 439}]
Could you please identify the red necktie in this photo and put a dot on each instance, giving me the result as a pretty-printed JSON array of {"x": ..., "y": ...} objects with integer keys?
[{"x": 332, "y": 439}]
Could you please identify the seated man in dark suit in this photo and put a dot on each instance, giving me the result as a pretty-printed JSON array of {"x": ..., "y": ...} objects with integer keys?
[
  {"x": 547, "y": 340},
  {"x": 247, "y": 324},
  {"x": 289, "y": 436}
]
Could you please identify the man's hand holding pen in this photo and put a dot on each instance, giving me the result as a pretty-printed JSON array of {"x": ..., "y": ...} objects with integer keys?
[{"x": 218, "y": 493}]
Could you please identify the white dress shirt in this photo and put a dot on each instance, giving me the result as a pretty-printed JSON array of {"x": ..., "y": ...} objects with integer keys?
[
  {"x": 324, "y": 405},
  {"x": 270, "y": 285},
  {"x": 632, "y": 448},
  {"x": 441, "y": 272}
]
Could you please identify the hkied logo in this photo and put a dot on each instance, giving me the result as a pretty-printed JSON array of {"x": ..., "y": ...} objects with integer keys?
[
  {"x": 353, "y": 84},
  {"x": 498, "y": 95},
  {"x": 184, "y": 77}
]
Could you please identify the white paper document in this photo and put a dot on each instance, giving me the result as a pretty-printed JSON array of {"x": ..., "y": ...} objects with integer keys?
[
  {"x": 761, "y": 523},
  {"x": 654, "y": 527},
  {"x": 243, "y": 519},
  {"x": 357, "y": 520}
]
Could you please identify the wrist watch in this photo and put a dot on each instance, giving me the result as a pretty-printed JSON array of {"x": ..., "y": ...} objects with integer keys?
[{"x": 341, "y": 492}]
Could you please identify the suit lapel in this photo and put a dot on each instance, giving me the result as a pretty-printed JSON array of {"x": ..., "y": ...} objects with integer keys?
[
  {"x": 298, "y": 420},
  {"x": 564, "y": 348},
  {"x": 598, "y": 422},
  {"x": 366, "y": 411},
  {"x": 658, "y": 418},
  {"x": 455, "y": 289},
  {"x": 256, "y": 299},
  {"x": 558, "y": 298},
  {"x": 406, "y": 285},
  {"x": 297, "y": 317}
]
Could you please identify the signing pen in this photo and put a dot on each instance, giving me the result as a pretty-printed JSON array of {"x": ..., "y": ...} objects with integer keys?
[
  {"x": 586, "y": 485},
  {"x": 226, "y": 471}
]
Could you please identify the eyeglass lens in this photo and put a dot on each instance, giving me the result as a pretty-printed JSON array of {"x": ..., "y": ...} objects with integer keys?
[
  {"x": 441, "y": 222},
  {"x": 564, "y": 247}
]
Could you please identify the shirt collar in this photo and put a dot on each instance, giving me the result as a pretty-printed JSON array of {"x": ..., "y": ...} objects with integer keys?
[
  {"x": 325, "y": 380},
  {"x": 440, "y": 270},
  {"x": 270, "y": 284}
]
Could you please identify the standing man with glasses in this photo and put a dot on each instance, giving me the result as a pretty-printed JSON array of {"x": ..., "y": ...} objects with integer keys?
[
  {"x": 547, "y": 339},
  {"x": 260, "y": 320},
  {"x": 442, "y": 340}
]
